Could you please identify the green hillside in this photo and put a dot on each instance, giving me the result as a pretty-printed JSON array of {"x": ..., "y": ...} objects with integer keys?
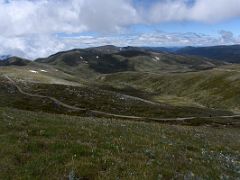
[
  {"x": 216, "y": 88},
  {"x": 89, "y": 62}
]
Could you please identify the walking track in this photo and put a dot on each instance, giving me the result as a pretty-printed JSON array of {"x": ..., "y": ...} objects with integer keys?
[{"x": 101, "y": 113}]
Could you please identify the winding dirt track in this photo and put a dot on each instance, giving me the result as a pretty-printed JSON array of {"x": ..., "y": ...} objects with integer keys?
[
  {"x": 101, "y": 113},
  {"x": 41, "y": 96},
  {"x": 227, "y": 70}
]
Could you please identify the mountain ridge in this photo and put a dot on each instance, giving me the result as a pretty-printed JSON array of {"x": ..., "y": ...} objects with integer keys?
[
  {"x": 14, "y": 61},
  {"x": 225, "y": 53}
]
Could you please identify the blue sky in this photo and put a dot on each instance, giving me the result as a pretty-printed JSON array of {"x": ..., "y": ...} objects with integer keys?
[
  {"x": 32, "y": 29},
  {"x": 211, "y": 29}
]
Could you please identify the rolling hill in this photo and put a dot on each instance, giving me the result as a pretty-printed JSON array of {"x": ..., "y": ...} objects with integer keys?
[
  {"x": 110, "y": 59},
  {"x": 14, "y": 61},
  {"x": 215, "y": 88}
]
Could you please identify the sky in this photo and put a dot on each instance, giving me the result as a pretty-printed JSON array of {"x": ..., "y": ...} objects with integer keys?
[{"x": 39, "y": 28}]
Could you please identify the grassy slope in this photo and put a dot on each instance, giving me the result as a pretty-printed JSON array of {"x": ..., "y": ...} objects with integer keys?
[
  {"x": 47, "y": 146},
  {"x": 50, "y": 76},
  {"x": 212, "y": 88},
  {"x": 162, "y": 62},
  {"x": 92, "y": 98}
]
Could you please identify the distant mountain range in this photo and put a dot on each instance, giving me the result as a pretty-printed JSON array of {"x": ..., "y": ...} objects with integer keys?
[
  {"x": 163, "y": 49},
  {"x": 3, "y": 57},
  {"x": 229, "y": 54},
  {"x": 109, "y": 59}
]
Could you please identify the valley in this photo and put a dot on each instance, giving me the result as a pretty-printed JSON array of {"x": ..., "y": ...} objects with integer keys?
[{"x": 92, "y": 109}]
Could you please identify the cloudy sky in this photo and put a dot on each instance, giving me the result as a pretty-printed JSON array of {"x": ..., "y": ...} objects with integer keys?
[{"x": 38, "y": 28}]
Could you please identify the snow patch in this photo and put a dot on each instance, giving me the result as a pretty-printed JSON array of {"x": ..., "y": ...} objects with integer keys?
[
  {"x": 81, "y": 57},
  {"x": 42, "y": 70},
  {"x": 32, "y": 71},
  {"x": 97, "y": 57},
  {"x": 156, "y": 59}
]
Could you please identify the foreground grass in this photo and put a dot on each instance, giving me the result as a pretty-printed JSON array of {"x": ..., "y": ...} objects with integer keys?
[{"x": 47, "y": 146}]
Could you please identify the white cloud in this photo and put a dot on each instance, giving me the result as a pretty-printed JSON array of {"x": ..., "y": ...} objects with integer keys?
[
  {"x": 42, "y": 46},
  {"x": 28, "y": 28},
  {"x": 214, "y": 10},
  {"x": 207, "y": 11},
  {"x": 186, "y": 39},
  {"x": 24, "y": 17}
]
